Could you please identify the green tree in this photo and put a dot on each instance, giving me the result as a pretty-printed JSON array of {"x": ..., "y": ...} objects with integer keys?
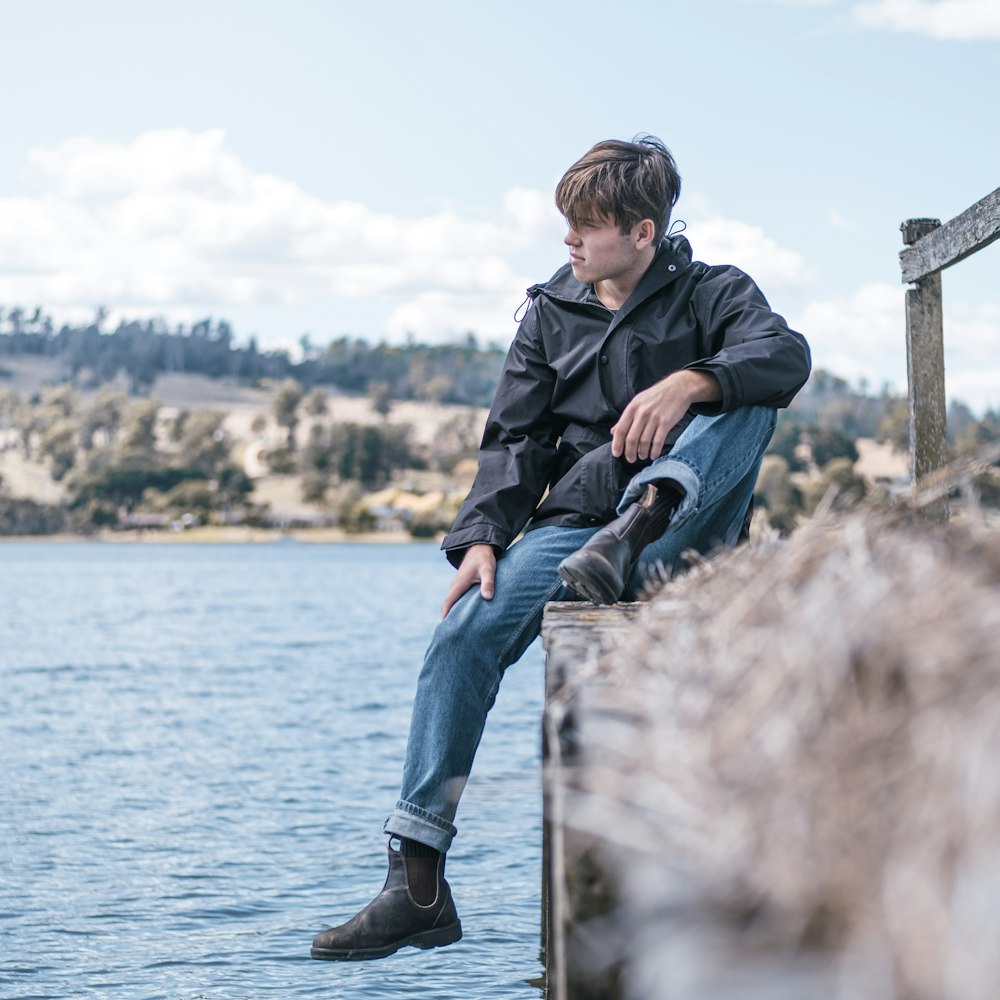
[
  {"x": 204, "y": 443},
  {"x": 136, "y": 445},
  {"x": 977, "y": 434},
  {"x": 370, "y": 455},
  {"x": 777, "y": 494},
  {"x": 102, "y": 416},
  {"x": 827, "y": 443},
  {"x": 58, "y": 445},
  {"x": 838, "y": 484},
  {"x": 786, "y": 440},
  {"x": 317, "y": 403},
  {"x": 10, "y": 404},
  {"x": 894, "y": 427},
  {"x": 286, "y": 408},
  {"x": 380, "y": 395},
  {"x": 436, "y": 388}
]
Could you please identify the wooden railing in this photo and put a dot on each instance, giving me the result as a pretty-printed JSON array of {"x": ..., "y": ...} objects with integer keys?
[{"x": 931, "y": 248}]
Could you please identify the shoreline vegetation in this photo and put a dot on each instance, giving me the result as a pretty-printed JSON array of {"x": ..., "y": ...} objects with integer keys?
[
  {"x": 149, "y": 435},
  {"x": 212, "y": 534}
]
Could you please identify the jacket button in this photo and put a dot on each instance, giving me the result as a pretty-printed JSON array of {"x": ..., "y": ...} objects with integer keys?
[
  {"x": 604, "y": 359},
  {"x": 673, "y": 267}
]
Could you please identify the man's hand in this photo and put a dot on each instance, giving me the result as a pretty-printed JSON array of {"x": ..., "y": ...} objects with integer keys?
[
  {"x": 479, "y": 565},
  {"x": 645, "y": 423}
]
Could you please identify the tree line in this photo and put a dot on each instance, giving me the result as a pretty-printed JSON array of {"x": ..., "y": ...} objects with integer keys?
[
  {"x": 112, "y": 457},
  {"x": 463, "y": 373},
  {"x": 812, "y": 454}
]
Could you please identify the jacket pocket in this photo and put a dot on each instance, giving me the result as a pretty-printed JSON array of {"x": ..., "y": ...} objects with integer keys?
[{"x": 589, "y": 491}]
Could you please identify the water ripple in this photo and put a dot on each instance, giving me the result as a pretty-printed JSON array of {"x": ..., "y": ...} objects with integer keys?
[{"x": 199, "y": 747}]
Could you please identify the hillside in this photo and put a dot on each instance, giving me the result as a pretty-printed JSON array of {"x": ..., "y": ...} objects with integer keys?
[{"x": 251, "y": 430}]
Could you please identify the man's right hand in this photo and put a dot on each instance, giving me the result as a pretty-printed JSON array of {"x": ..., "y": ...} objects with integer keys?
[{"x": 479, "y": 565}]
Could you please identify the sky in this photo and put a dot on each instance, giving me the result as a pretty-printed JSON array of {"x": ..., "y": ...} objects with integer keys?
[{"x": 386, "y": 170}]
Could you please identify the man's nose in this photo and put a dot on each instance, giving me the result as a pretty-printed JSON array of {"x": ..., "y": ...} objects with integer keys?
[{"x": 572, "y": 237}]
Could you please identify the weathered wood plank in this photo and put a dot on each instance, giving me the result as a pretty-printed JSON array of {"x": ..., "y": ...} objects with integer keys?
[
  {"x": 973, "y": 229},
  {"x": 574, "y": 890},
  {"x": 925, "y": 367},
  {"x": 925, "y": 374}
]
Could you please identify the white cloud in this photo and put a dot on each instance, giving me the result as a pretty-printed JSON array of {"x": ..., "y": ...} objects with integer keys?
[
  {"x": 962, "y": 20},
  {"x": 434, "y": 316},
  {"x": 174, "y": 223},
  {"x": 719, "y": 240},
  {"x": 957, "y": 20},
  {"x": 863, "y": 336}
]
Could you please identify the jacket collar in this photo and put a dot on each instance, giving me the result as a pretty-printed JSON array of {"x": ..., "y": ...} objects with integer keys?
[{"x": 672, "y": 257}]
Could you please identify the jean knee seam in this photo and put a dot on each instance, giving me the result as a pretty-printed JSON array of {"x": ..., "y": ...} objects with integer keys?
[
  {"x": 556, "y": 587},
  {"x": 503, "y": 655}
]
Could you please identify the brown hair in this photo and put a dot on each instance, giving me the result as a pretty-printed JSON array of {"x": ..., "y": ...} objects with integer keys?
[{"x": 624, "y": 181}]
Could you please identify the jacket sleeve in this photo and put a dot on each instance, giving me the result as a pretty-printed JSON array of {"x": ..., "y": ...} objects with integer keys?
[
  {"x": 517, "y": 452},
  {"x": 749, "y": 348}
]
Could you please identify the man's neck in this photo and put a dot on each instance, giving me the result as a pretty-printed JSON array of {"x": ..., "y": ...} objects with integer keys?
[{"x": 614, "y": 291}]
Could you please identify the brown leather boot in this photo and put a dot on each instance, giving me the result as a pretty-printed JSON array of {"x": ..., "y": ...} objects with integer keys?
[
  {"x": 393, "y": 919},
  {"x": 599, "y": 570}
]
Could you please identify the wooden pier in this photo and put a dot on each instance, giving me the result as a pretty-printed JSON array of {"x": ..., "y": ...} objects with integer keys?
[{"x": 776, "y": 779}]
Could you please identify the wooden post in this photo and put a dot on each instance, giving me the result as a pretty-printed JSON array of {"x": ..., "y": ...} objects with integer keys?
[{"x": 925, "y": 366}]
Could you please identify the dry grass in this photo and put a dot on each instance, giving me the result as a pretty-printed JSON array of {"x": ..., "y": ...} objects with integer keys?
[{"x": 797, "y": 752}]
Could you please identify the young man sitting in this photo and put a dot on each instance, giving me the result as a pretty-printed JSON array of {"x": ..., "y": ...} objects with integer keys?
[{"x": 628, "y": 426}]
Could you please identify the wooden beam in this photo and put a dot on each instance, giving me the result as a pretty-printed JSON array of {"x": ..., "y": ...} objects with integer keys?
[{"x": 974, "y": 229}]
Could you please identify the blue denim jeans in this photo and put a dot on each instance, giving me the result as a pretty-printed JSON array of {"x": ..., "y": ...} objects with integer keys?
[{"x": 715, "y": 460}]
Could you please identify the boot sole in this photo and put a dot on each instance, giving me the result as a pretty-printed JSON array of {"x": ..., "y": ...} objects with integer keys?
[
  {"x": 582, "y": 573},
  {"x": 438, "y": 937}
]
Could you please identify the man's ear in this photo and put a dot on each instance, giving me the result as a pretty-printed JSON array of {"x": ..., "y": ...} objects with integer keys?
[{"x": 645, "y": 234}]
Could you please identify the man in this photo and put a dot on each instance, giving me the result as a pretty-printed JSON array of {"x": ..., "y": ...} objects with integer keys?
[{"x": 638, "y": 384}]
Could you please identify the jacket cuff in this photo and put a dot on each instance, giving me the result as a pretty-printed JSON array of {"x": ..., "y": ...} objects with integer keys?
[
  {"x": 456, "y": 542},
  {"x": 726, "y": 378}
]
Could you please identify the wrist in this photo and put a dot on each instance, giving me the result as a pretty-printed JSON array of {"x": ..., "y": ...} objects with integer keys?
[
  {"x": 698, "y": 386},
  {"x": 478, "y": 550}
]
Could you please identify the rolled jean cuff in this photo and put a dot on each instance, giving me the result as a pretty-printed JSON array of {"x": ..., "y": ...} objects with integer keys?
[
  {"x": 674, "y": 469},
  {"x": 414, "y": 823}
]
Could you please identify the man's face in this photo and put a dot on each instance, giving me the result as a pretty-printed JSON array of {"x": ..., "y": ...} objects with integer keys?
[{"x": 599, "y": 251}]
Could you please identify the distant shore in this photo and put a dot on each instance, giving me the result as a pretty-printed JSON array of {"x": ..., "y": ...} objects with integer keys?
[{"x": 213, "y": 535}]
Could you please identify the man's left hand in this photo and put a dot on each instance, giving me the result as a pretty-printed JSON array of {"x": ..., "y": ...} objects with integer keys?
[{"x": 643, "y": 427}]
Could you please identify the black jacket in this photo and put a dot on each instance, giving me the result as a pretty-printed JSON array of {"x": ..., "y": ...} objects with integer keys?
[{"x": 573, "y": 367}]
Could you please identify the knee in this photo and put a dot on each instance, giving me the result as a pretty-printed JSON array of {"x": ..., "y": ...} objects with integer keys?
[{"x": 465, "y": 628}]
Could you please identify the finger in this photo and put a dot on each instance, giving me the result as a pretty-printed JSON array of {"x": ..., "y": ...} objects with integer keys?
[
  {"x": 633, "y": 440},
  {"x": 618, "y": 434},
  {"x": 455, "y": 591},
  {"x": 659, "y": 440},
  {"x": 646, "y": 437},
  {"x": 486, "y": 583},
  {"x": 624, "y": 432}
]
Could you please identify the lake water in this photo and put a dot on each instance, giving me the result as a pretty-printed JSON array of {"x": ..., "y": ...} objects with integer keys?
[{"x": 198, "y": 746}]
